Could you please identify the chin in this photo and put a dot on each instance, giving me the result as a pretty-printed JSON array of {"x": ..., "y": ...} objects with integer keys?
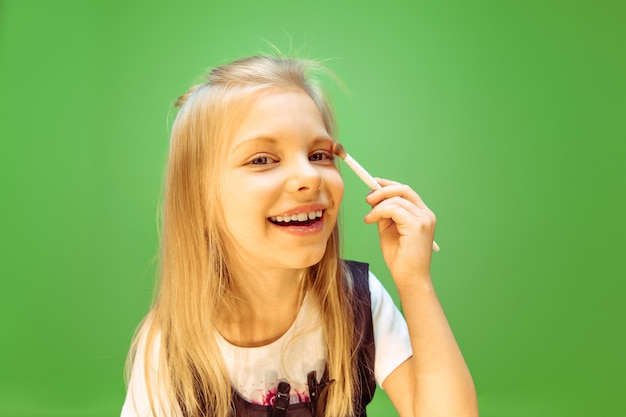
[{"x": 306, "y": 260}]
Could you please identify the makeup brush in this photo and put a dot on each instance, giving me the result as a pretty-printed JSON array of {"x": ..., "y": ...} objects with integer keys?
[{"x": 339, "y": 150}]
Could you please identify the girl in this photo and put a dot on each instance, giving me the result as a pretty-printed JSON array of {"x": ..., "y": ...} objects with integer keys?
[{"x": 255, "y": 313}]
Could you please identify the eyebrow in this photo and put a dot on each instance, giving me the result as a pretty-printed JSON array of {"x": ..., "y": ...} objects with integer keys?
[
  {"x": 272, "y": 141},
  {"x": 255, "y": 140}
]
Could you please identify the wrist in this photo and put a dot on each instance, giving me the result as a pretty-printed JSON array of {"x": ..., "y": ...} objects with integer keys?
[{"x": 415, "y": 284}]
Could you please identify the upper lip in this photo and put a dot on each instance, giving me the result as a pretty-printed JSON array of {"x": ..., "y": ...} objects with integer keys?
[{"x": 301, "y": 209}]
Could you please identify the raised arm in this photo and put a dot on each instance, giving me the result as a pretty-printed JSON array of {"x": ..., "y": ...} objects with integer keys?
[{"x": 436, "y": 380}]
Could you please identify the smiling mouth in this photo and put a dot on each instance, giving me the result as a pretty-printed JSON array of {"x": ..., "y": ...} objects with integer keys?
[{"x": 300, "y": 219}]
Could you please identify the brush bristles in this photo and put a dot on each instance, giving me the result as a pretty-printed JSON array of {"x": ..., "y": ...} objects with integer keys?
[{"x": 339, "y": 150}]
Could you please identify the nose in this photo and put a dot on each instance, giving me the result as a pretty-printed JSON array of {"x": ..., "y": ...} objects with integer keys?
[{"x": 303, "y": 176}]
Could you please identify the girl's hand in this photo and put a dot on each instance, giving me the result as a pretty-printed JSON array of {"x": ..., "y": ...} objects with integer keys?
[{"x": 406, "y": 227}]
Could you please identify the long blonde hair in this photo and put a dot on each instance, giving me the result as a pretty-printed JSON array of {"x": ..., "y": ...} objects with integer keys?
[{"x": 194, "y": 276}]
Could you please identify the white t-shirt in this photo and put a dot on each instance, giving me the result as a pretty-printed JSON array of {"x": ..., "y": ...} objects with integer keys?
[{"x": 256, "y": 372}]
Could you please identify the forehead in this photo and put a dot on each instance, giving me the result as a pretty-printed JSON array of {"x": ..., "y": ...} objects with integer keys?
[
  {"x": 275, "y": 112},
  {"x": 276, "y": 101}
]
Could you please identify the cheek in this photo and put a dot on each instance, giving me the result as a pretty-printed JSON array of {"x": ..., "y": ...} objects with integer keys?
[
  {"x": 237, "y": 189},
  {"x": 335, "y": 183}
]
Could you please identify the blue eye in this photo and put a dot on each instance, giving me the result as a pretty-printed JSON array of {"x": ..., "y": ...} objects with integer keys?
[
  {"x": 320, "y": 156},
  {"x": 262, "y": 160}
]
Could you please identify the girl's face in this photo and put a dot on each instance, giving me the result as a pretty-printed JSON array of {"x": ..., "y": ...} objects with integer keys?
[{"x": 280, "y": 188}]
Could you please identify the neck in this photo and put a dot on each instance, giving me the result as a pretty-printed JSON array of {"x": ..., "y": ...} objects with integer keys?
[{"x": 267, "y": 303}]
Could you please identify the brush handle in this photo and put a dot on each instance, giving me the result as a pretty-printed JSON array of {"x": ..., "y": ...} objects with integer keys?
[{"x": 362, "y": 173}]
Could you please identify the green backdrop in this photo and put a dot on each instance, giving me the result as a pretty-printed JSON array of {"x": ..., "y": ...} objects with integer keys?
[{"x": 508, "y": 117}]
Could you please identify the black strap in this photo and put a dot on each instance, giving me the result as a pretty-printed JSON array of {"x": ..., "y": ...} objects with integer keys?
[
  {"x": 364, "y": 340},
  {"x": 281, "y": 403},
  {"x": 318, "y": 392}
]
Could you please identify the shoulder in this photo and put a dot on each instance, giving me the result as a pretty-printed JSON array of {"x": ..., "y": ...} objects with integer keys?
[
  {"x": 143, "y": 382},
  {"x": 359, "y": 274},
  {"x": 366, "y": 284},
  {"x": 358, "y": 270},
  {"x": 391, "y": 334}
]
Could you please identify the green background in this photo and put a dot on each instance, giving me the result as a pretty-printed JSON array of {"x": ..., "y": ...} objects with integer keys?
[{"x": 508, "y": 117}]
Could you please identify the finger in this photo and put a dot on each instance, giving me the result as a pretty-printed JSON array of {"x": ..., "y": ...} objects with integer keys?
[
  {"x": 395, "y": 214},
  {"x": 400, "y": 210},
  {"x": 397, "y": 203},
  {"x": 392, "y": 189}
]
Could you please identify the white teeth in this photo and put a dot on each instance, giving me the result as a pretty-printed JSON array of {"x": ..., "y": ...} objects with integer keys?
[{"x": 299, "y": 217}]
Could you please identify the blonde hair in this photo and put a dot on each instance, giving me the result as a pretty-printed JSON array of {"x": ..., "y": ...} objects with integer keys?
[{"x": 194, "y": 276}]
